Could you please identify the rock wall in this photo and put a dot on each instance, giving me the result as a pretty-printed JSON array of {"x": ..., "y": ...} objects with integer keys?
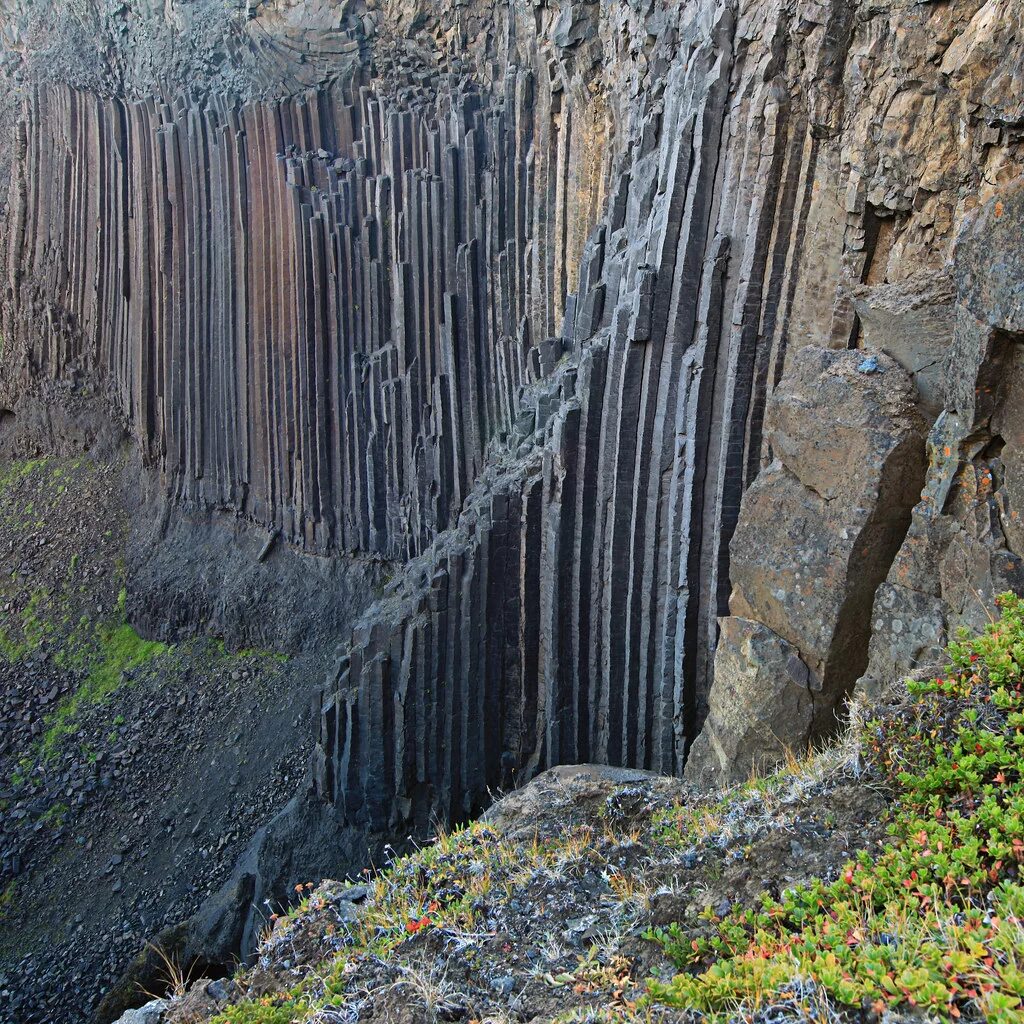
[
  {"x": 502, "y": 293},
  {"x": 965, "y": 545},
  {"x": 775, "y": 183},
  {"x": 314, "y": 312}
]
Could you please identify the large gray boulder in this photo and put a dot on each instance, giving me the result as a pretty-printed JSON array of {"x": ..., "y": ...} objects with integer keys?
[
  {"x": 820, "y": 526},
  {"x": 761, "y": 706},
  {"x": 817, "y": 533}
]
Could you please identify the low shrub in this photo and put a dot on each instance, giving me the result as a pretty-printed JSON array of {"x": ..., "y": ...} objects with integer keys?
[{"x": 935, "y": 919}]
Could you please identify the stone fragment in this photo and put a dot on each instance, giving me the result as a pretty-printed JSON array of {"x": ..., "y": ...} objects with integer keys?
[{"x": 761, "y": 706}]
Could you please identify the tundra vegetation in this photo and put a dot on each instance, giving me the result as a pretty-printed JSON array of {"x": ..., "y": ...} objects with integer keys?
[{"x": 926, "y": 919}]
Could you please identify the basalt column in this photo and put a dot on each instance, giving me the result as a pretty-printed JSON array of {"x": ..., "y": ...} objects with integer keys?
[
  {"x": 572, "y": 613},
  {"x": 314, "y": 312}
]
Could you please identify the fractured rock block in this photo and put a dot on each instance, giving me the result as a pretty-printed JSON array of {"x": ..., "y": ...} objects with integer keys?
[
  {"x": 837, "y": 418},
  {"x": 573, "y": 26},
  {"x": 912, "y": 321},
  {"x": 820, "y": 527},
  {"x": 761, "y": 706}
]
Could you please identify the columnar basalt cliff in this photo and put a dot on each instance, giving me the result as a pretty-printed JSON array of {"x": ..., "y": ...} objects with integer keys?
[
  {"x": 522, "y": 300},
  {"x": 314, "y": 312},
  {"x": 754, "y": 206}
]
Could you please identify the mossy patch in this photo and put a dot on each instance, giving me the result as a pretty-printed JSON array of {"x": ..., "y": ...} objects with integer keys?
[
  {"x": 117, "y": 651},
  {"x": 8, "y": 898},
  {"x": 54, "y": 815},
  {"x": 20, "y": 469}
]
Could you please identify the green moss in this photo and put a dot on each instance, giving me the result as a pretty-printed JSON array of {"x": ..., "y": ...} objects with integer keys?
[
  {"x": 118, "y": 650},
  {"x": 936, "y": 919},
  {"x": 11, "y": 650},
  {"x": 7, "y": 899},
  {"x": 258, "y": 653},
  {"x": 218, "y": 648},
  {"x": 22, "y": 774},
  {"x": 34, "y": 622},
  {"x": 54, "y": 815},
  {"x": 19, "y": 470}
]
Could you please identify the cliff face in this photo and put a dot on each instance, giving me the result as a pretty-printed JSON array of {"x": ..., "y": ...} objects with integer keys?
[
  {"x": 312, "y": 311},
  {"x": 523, "y": 298},
  {"x": 787, "y": 177},
  {"x": 321, "y": 311}
]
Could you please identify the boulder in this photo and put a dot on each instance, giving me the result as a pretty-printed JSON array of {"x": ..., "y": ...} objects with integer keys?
[
  {"x": 820, "y": 527},
  {"x": 761, "y": 706},
  {"x": 572, "y": 794},
  {"x": 152, "y": 1013}
]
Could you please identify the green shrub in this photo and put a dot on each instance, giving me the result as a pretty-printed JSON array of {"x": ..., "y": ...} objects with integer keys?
[{"x": 936, "y": 918}]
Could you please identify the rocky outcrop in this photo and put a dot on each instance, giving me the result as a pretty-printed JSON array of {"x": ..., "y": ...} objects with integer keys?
[
  {"x": 912, "y": 321},
  {"x": 818, "y": 531},
  {"x": 821, "y": 525},
  {"x": 762, "y": 706},
  {"x": 521, "y": 300},
  {"x": 965, "y": 544}
]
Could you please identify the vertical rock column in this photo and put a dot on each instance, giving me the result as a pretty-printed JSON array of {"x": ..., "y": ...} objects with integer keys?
[
  {"x": 618, "y": 491},
  {"x": 315, "y": 312}
]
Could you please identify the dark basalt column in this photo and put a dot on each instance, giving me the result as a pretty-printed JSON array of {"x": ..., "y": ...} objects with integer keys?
[
  {"x": 312, "y": 312},
  {"x": 592, "y": 638}
]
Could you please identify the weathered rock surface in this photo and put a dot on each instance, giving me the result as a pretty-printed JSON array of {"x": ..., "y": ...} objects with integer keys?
[
  {"x": 761, "y": 706},
  {"x": 963, "y": 542},
  {"x": 821, "y": 525},
  {"x": 966, "y": 542}
]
